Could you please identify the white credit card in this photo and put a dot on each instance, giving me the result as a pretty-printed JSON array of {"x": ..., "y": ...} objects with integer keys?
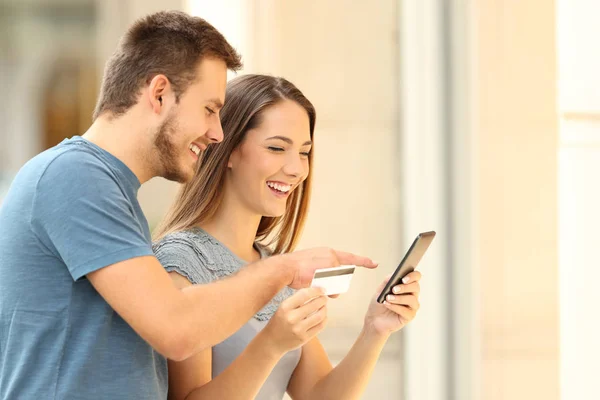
[{"x": 334, "y": 280}]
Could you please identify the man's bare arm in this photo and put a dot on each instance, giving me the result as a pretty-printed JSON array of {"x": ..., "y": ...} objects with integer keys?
[{"x": 180, "y": 323}]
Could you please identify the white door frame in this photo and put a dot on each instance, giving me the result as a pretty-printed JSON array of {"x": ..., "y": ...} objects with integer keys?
[{"x": 441, "y": 345}]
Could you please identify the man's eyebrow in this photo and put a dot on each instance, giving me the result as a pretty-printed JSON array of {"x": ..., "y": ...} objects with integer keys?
[{"x": 216, "y": 103}]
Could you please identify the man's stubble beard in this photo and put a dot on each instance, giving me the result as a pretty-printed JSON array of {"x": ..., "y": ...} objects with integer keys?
[{"x": 167, "y": 151}]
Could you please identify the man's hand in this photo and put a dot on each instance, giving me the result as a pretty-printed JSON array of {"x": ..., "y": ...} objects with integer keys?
[{"x": 304, "y": 263}]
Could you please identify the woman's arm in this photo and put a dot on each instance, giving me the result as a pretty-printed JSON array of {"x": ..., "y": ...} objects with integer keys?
[
  {"x": 241, "y": 380},
  {"x": 298, "y": 319},
  {"x": 185, "y": 376},
  {"x": 314, "y": 378}
]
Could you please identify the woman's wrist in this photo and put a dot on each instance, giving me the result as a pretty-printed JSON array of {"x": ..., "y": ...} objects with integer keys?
[
  {"x": 371, "y": 333},
  {"x": 268, "y": 345}
]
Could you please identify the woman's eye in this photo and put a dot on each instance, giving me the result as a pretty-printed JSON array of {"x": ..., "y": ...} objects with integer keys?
[
  {"x": 305, "y": 153},
  {"x": 210, "y": 110},
  {"x": 277, "y": 149}
]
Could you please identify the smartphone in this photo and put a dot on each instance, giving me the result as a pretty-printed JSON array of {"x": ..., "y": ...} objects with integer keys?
[{"x": 408, "y": 263}]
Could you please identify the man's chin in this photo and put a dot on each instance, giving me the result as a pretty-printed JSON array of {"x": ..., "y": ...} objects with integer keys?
[{"x": 179, "y": 176}]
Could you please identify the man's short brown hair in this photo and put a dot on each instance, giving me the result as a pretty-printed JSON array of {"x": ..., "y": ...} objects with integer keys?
[{"x": 168, "y": 42}]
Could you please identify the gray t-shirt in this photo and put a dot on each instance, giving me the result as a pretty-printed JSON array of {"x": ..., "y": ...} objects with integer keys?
[
  {"x": 201, "y": 258},
  {"x": 71, "y": 210}
]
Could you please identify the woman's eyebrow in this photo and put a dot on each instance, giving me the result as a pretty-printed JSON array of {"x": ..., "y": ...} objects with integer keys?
[{"x": 288, "y": 140}]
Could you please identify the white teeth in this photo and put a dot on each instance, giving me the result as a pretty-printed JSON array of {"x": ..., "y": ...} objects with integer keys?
[
  {"x": 195, "y": 149},
  {"x": 281, "y": 188}
]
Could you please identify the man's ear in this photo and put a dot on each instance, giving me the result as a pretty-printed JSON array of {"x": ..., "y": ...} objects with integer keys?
[{"x": 158, "y": 89}]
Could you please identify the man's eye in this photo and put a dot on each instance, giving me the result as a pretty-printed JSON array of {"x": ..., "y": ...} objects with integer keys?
[
  {"x": 278, "y": 149},
  {"x": 210, "y": 110}
]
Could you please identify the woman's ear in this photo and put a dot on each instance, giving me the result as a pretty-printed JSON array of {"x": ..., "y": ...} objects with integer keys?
[{"x": 232, "y": 158}]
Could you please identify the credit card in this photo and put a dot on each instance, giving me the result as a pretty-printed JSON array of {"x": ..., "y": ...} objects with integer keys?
[{"x": 334, "y": 280}]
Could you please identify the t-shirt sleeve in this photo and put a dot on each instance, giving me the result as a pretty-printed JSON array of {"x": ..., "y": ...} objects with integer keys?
[
  {"x": 179, "y": 254},
  {"x": 82, "y": 215}
]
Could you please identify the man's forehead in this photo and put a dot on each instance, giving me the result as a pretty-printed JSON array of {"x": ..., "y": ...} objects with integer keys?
[{"x": 212, "y": 71}]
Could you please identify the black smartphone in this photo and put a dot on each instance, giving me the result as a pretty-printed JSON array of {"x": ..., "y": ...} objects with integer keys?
[{"x": 408, "y": 263}]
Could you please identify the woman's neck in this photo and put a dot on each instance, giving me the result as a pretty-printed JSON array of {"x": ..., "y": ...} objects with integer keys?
[{"x": 235, "y": 227}]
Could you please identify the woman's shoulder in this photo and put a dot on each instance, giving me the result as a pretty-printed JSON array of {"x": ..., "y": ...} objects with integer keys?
[
  {"x": 188, "y": 238},
  {"x": 181, "y": 244},
  {"x": 196, "y": 255}
]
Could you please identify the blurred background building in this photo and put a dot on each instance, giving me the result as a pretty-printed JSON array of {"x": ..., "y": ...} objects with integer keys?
[{"x": 479, "y": 119}]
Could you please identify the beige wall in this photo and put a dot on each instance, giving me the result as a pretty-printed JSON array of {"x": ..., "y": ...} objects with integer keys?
[{"x": 516, "y": 129}]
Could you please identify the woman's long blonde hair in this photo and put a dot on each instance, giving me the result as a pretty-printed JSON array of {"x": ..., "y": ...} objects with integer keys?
[{"x": 247, "y": 98}]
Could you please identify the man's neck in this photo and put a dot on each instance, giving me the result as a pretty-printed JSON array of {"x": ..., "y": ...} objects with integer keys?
[{"x": 122, "y": 138}]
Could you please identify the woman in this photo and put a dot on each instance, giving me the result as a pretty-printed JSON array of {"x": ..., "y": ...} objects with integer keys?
[{"x": 248, "y": 200}]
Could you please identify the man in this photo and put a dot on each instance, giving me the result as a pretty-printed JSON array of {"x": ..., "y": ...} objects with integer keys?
[{"x": 86, "y": 311}]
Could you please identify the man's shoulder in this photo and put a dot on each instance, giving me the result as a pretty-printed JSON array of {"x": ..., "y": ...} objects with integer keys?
[
  {"x": 67, "y": 173},
  {"x": 58, "y": 166},
  {"x": 61, "y": 163},
  {"x": 72, "y": 159}
]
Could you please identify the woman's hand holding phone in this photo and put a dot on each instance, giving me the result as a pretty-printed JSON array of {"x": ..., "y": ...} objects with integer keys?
[{"x": 398, "y": 309}]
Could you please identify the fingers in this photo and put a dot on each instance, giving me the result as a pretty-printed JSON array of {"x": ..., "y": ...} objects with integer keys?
[
  {"x": 313, "y": 319},
  {"x": 407, "y": 300},
  {"x": 307, "y": 309},
  {"x": 407, "y": 314},
  {"x": 301, "y": 297},
  {"x": 345, "y": 258},
  {"x": 414, "y": 288},
  {"x": 414, "y": 276},
  {"x": 304, "y": 263},
  {"x": 317, "y": 328}
]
